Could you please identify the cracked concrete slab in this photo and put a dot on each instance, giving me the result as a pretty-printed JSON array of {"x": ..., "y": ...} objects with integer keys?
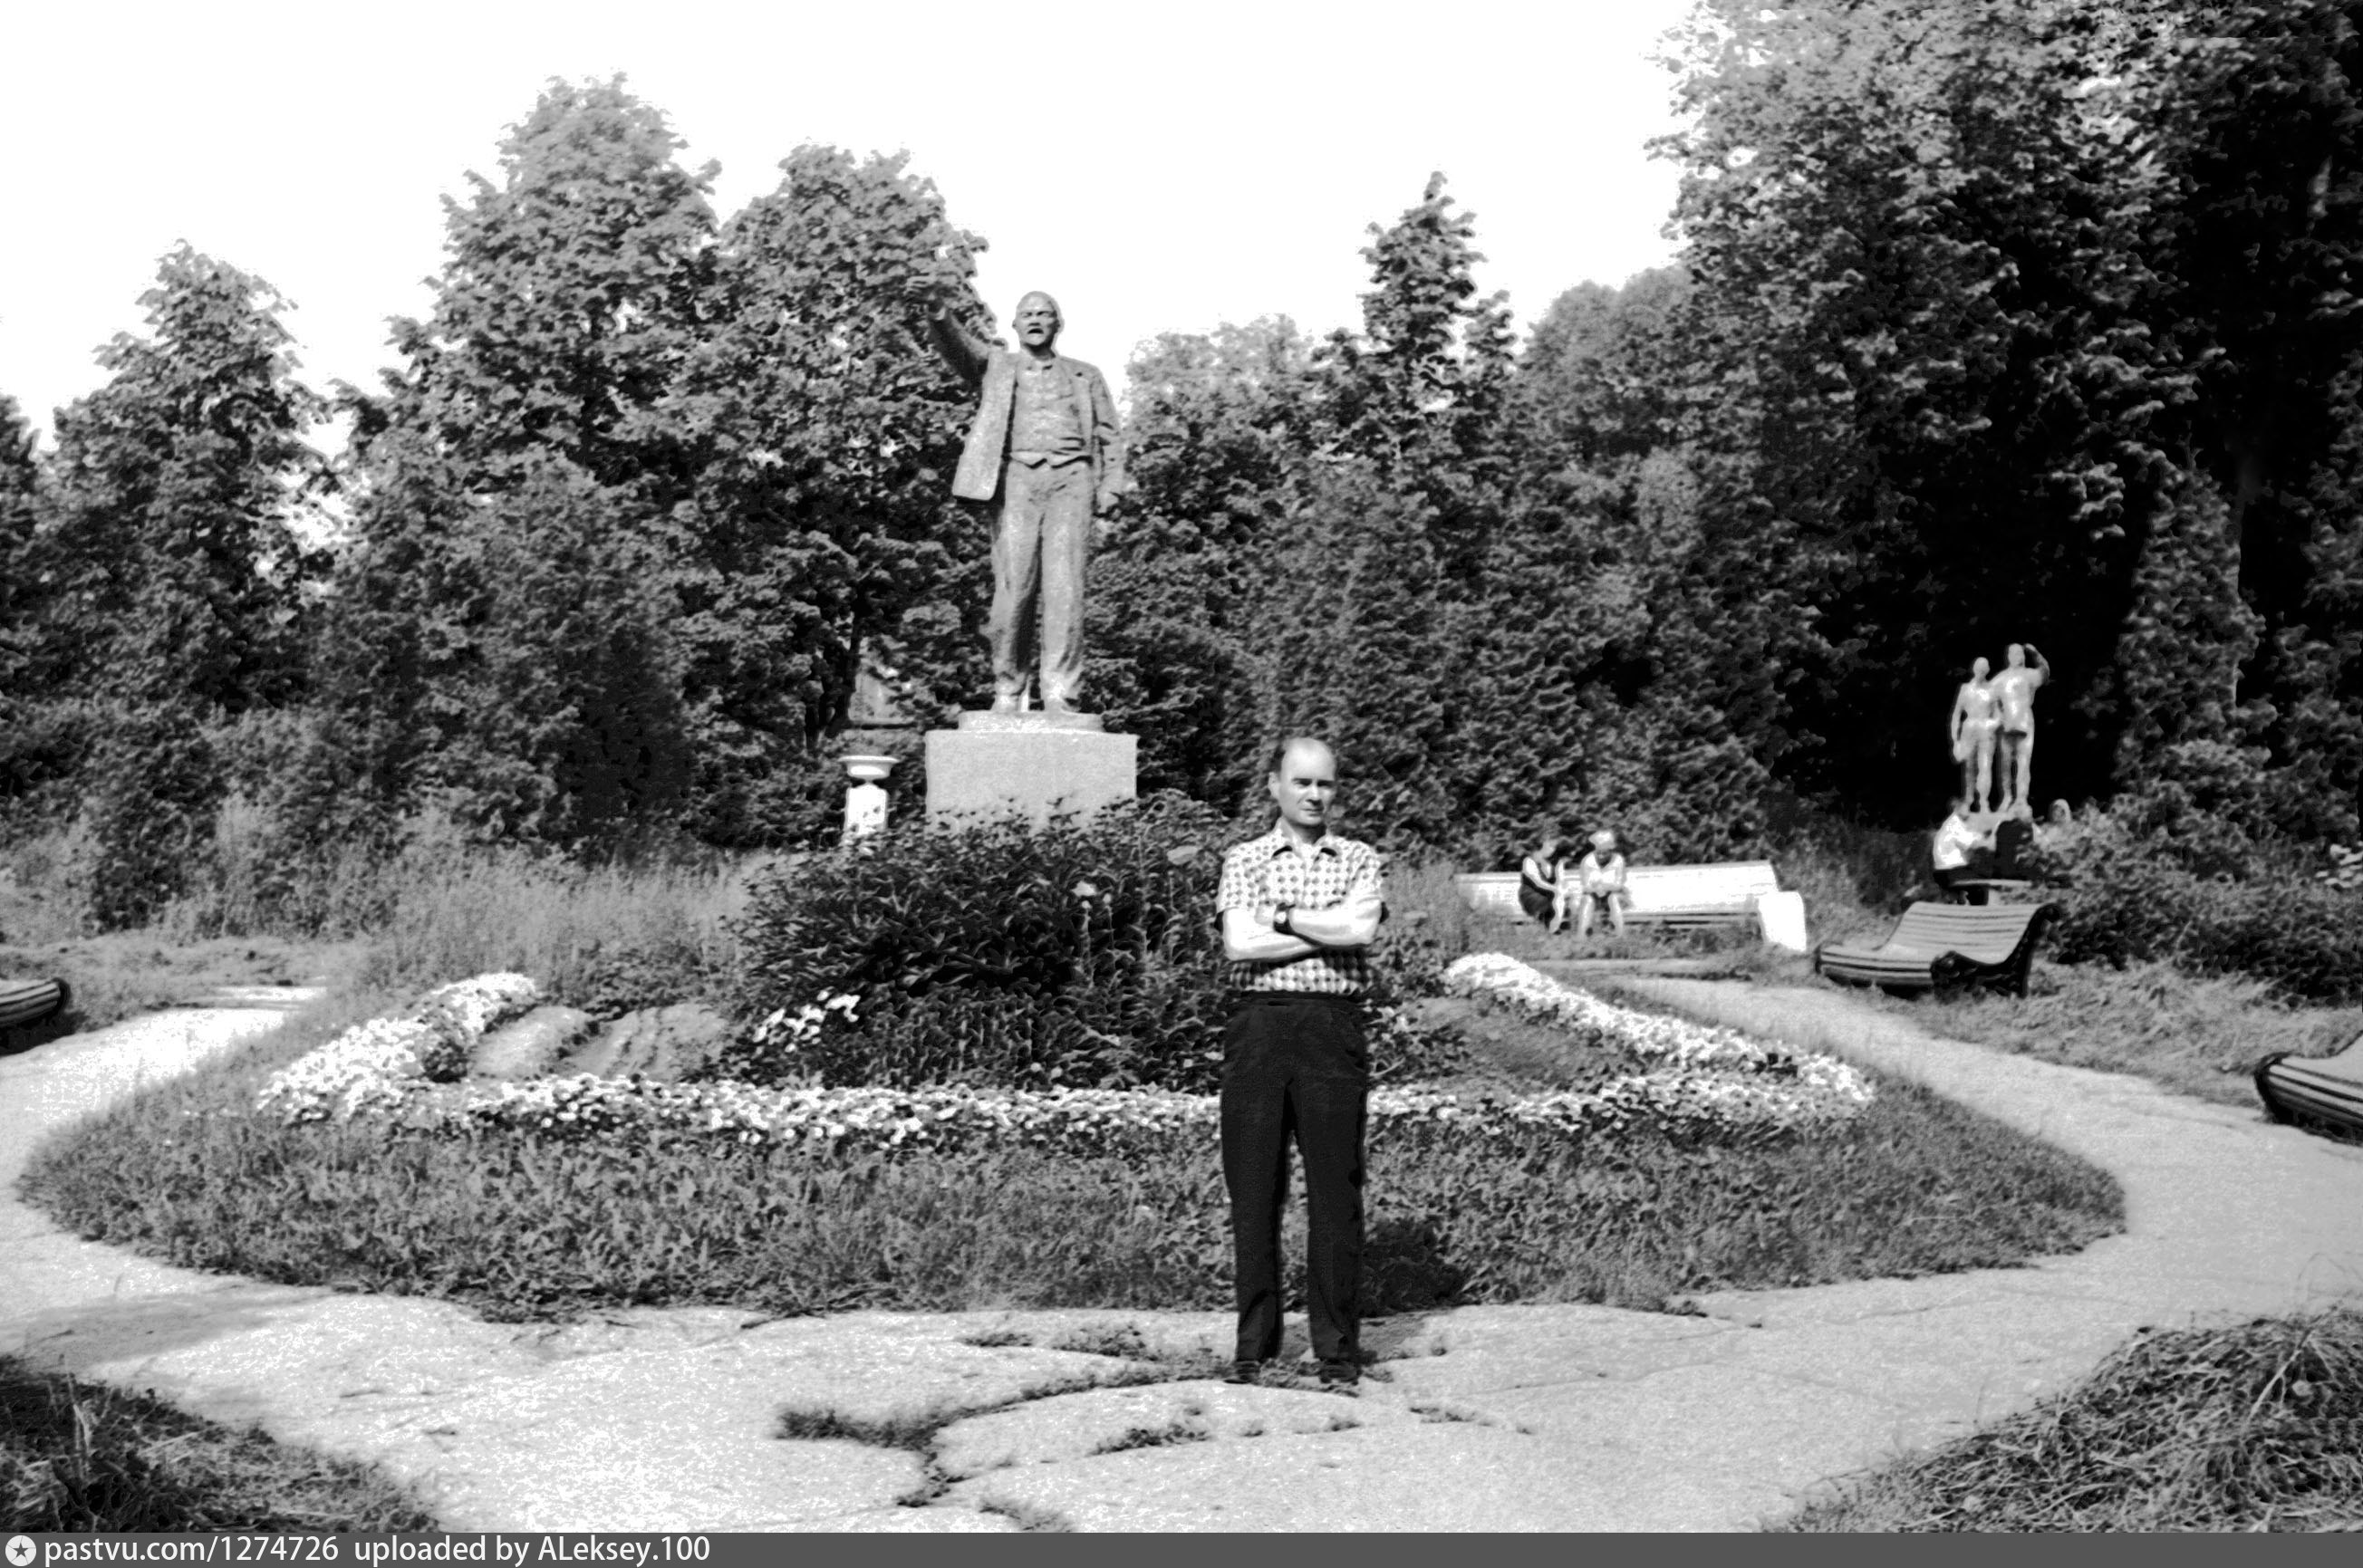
[
  {"x": 1069, "y": 1427},
  {"x": 1497, "y": 1418}
]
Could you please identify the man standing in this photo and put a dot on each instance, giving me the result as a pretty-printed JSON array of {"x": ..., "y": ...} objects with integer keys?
[
  {"x": 2016, "y": 686},
  {"x": 1300, "y": 908},
  {"x": 1044, "y": 447},
  {"x": 1972, "y": 728}
]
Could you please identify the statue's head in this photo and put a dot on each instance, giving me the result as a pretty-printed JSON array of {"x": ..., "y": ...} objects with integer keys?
[
  {"x": 1979, "y": 668},
  {"x": 1038, "y": 320},
  {"x": 2017, "y": 656}
]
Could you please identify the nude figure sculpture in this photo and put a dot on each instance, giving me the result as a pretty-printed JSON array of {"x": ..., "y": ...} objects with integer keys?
[
  {"x": 2015, "y": 686},
  {"x": 1977, "y": 715}
]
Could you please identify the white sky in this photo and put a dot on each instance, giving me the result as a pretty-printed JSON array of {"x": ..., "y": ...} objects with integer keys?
[{"x": 1158, "y": 168}]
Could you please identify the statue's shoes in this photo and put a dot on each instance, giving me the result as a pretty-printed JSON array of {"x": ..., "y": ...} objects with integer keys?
[{"x": 1006, "y": 702}]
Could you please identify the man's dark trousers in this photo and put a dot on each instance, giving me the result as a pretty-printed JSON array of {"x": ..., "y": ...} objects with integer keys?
[{"x": 1295, "y": 1062}]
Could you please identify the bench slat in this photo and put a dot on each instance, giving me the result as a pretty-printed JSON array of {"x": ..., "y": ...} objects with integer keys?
[
  {"x": 2321, "y": 1088},
  {"x": 1944, "y": 944},
  {"x": 29, "y": 1001}
]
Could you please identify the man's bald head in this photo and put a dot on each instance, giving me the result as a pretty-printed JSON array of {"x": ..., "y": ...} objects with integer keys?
[
  {"x": 1303, "y": 782},
  {"x": 1312, "y": 747}
]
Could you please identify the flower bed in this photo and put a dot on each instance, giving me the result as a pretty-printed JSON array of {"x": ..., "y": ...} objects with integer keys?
[
  {"x": 1723, "y": 1067},
  {"x": 1705, "y": 1082},
  {"x": 374, "y": 1067}
]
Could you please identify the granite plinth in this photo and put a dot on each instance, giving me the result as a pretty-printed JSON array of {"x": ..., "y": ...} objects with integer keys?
[{"x": 1035, "y": 767}]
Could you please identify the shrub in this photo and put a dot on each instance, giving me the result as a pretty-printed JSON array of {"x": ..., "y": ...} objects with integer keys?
[
  {"x": 2128, "y": 899},
  {"x": 151, "y": 788},
  {"x": 1087, "y": 956}
]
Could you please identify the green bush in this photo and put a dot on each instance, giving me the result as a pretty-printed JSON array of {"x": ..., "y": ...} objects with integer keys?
[
  {"x": 1084, "y": 956},
  {"x": 151, "y": 788},
  {"x": 2128, "y": 899}
]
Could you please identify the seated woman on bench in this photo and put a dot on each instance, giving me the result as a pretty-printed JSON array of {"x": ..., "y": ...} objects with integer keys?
[
  {"x": 1542, "y": 883},
  {"x": 1599, "y": 878}
]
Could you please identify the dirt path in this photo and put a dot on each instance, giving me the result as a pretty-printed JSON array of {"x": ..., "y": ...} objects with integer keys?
[{"x": 1565, "y": 1417}]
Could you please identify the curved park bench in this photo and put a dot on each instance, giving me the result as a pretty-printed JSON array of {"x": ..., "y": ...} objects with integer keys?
[
  {"x": 1732, "y": 892},
  {"x": 2326, "y": 1089},
  {"x": 29, "y": 1001},
  {"x": 1940, "y": 946}
]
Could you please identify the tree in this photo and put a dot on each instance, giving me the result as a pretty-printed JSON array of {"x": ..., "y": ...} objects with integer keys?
[
  {"x": 822, "y": 432},
  {"x": 20, "y": 511},
  {"x": 1421, "y": 393},
  {"x": 1920, "y": 245},
  {"x": 1217, "y": 435},
  {"x": 568, "y": 301},
  {"x": 563, "y": 725},
  {"x": 178, "y": 577},
  {"x": 518, "y": 472}
]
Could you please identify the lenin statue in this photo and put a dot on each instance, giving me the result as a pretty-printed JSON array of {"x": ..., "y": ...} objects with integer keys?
[{"x": 1044, "y": 451}]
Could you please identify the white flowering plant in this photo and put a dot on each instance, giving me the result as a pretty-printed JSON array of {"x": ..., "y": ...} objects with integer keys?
[
  {"x": 1702, "y": 1083},
  {"x": 1702, "y": 1072},
  {"x": 374, "y": 1067}
]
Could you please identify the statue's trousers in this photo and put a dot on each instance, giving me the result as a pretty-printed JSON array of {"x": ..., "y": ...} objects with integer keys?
[{"x": 1040, "y": 546}]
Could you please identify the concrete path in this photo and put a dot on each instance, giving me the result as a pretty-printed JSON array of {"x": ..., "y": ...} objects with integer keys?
[{"x": 1504, "y": 1418}]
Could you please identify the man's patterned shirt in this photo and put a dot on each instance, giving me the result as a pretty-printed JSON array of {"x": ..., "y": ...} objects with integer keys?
[{"x": 1266, "y": 870}]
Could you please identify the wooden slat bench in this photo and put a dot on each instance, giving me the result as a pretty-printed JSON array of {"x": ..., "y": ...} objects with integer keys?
[
  {"x": 1941, "y": 946},
  {"x": 29, "y": 1001},
  {"x": 2325, "y": 1089}
]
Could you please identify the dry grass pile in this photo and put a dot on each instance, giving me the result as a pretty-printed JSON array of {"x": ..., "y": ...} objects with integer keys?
[{"x": 2252, "y": 1427}]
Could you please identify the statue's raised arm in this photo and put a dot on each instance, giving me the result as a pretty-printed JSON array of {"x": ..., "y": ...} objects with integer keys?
[{"x": 963, "y": 350}]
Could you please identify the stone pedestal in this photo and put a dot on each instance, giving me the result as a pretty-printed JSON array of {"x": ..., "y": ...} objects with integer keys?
[
  {"x": 1033, "y": 765},
  {"x": 865, "y": 795}
]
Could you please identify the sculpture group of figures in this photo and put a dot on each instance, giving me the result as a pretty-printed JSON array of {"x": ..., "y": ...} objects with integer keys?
[{"x": 1993, "y": 722}]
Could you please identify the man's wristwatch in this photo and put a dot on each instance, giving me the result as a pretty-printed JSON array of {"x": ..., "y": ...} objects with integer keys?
[{"x": 1280, "y": 917}]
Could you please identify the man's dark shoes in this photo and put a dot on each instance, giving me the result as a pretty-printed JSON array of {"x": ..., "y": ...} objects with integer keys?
[
  {"x": 1248, "y": 1372},
  {"x": 1340, "y": 1375}
]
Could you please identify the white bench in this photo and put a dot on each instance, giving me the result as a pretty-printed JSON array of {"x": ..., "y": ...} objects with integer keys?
[{"x": 1734, "y": 892}]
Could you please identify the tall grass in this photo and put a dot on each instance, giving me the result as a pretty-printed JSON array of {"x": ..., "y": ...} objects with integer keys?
[
  {"x": 636, "y": 935},
  {"x": 1855, "y": 879},
  {"x": 2201, "y": 1037},
  {"x": 78, "y": 1456},
  {"x": 610, "y": 937}
]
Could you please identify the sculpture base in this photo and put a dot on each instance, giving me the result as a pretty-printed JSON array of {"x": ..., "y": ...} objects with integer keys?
[
  {"x": 1033, "y": 721},
  {"x": 1035, "y": 767}
]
